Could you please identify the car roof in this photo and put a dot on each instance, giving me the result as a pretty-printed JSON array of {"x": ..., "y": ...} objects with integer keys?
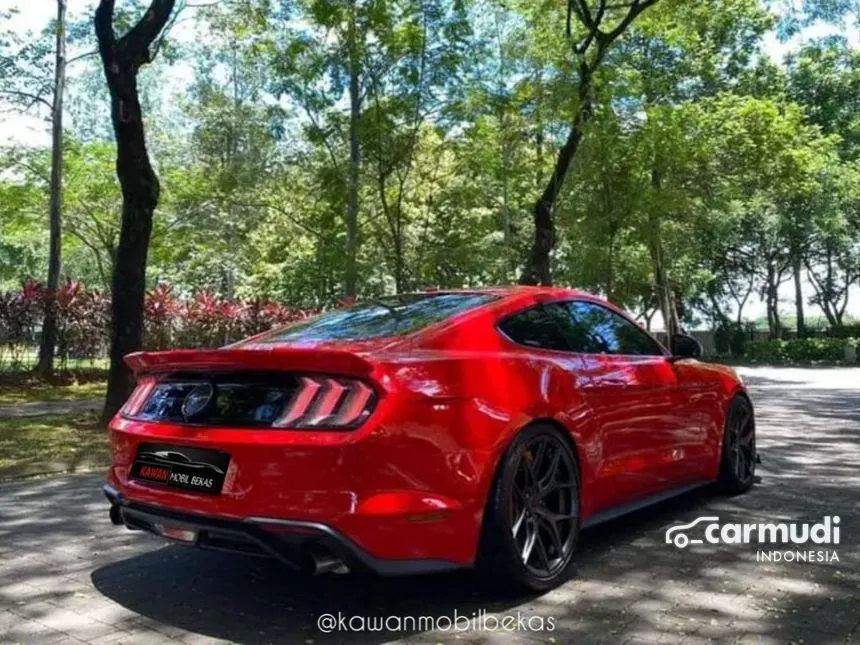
[
  {"x": 505, "y": 299},
  {"x": 512, "y": 291}
]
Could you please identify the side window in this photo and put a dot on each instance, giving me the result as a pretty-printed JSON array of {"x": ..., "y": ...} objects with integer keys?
[
  {"x": 601, "y": 331},
  {"x": 545, "y": 326}
]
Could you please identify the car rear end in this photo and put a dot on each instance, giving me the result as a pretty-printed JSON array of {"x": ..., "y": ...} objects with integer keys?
[{"x": 321, "y": 456}]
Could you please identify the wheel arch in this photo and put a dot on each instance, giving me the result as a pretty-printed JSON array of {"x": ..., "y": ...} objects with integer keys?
[{"x": 566, "y": 435}]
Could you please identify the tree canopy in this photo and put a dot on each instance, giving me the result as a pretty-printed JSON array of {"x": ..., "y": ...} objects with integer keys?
[{"x": 316, "y": 149}]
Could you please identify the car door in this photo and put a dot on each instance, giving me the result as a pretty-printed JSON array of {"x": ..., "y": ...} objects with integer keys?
[{"x": 630, "y": 384}]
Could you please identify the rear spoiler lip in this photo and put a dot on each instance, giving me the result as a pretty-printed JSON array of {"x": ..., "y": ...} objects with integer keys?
[{"x": 277, "y": 359}]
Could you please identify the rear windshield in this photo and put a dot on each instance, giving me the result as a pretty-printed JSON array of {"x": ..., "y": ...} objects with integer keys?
[{"x": 390, "y": 316}]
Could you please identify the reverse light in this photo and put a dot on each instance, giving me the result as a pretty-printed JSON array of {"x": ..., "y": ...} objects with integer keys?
[
  {"x": 325, "y": 402},
  {"x": 145, "y": 385}
]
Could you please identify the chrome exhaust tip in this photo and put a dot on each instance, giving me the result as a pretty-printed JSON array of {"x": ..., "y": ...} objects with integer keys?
[{"x": 318, "y": 562}]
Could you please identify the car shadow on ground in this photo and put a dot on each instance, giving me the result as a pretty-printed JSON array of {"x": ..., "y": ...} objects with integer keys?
[{"x": 251, "y": 600}]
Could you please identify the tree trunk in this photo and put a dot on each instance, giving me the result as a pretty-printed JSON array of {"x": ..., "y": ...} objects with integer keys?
[
  {"x": 590, "y": 52},
  {"x": 122, "y": 60},
  {"x": 773, "y": 302},
  {"x": 140, "y": 192},
  {"x": 351, "y": 278},
  {"x": 506, "y": 213},
  {"x": 665, "y": 295},
  {"x": 539, "y": 132},
  {"x": 49, "y": 324},
  {"x": 771, "y": 326},
  {"x": 399, "y": 286},
  {"x": 610, "y": 265},
  {"x": 798, "y": 297},
  {"x": 538, "y": 270}
]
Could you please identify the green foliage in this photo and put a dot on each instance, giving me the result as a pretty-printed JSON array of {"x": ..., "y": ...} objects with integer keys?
[
  {"x": 703, "y": 160},
  {"x": 731, "y": 339},
  {"x": 851, "y": 330},
  {"x": 800, "y": 350}
]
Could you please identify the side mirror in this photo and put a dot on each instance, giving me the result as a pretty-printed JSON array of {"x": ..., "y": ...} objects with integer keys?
[{"x": 684, "y": 346}]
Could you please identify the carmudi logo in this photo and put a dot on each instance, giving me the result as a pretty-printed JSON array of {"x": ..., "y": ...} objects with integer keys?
[{"x": 710, "y": 530}]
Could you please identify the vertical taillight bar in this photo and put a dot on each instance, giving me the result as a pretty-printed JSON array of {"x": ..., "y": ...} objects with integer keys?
[
  {"x": 145, "y": 385},
  {"x": 356, "y": 403},
  {"x": 326, "y": 402}
]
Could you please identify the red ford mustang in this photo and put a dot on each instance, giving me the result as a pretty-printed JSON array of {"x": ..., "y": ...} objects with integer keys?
[{"x": 425, "y": 432}]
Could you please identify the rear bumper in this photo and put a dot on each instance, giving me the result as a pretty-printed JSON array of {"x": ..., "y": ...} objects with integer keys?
[
  {"x": 296, "y": 543},
  {"x": 403, "y": 487}
]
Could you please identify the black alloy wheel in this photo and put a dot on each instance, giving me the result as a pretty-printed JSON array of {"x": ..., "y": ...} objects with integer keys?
[
  {"x": 737, "y": 469},
  {"x": 532, "y": 524}
]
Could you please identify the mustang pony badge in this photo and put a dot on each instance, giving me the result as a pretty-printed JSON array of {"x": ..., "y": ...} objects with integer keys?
[{"x": 197, "y": 400}]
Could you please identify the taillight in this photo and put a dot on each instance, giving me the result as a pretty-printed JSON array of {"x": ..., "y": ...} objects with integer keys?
[
  {"x": 145, "y": 385},
  {"x": 326, "y": 402}
]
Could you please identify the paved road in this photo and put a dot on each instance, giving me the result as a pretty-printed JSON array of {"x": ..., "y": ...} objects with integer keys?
[{"x": 68, "y": 576}]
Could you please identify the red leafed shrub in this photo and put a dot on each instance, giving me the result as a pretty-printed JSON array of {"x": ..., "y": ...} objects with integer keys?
[
  {"x": 20, "y": 319},
  {"x": 83, "y": 317},
  {"x": 262, "y": 315},
  {"x": 170, "y": 320},
  {"x": 205, "y": 321},
  {"x": 162, "y": 312}
]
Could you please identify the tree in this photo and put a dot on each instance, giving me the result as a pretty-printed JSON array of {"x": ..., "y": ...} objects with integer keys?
[
  {"x": 27, "y": 80},
  {"x": 824, "y": 77},
  {"x": 49, "y": 324},
  {"x": 122, "y": 59},
  {"x": 599, "y": 27},
  {"x": 696, "y": 182},
  {"x": 832, "y": 252}
]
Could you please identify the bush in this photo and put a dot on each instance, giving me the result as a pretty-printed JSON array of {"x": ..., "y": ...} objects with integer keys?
[
  {"x": 83, "y": 319},
  {"x": 731, "y": 338},
  {"x": 723, "y": 339},
  {"x": 799, "y": 350},
  {"x": 845, "y": 331},
  {"x": 20, "y": 317}
]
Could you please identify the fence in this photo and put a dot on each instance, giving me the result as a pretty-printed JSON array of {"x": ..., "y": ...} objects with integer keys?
[{"x": 708, "y": 339}]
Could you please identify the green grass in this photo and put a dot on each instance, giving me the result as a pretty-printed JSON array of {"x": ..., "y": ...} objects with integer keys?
[
  {"x": 29, "y": 389},
  {"x": 43, "y": 444},
  {"x": 28, "y": 363}
]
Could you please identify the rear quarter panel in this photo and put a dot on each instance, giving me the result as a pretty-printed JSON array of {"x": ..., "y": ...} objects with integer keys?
[{"x": 486, "y": 397}]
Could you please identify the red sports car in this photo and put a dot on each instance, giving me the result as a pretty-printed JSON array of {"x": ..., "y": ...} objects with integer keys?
[{"x": 426, "y": 432}]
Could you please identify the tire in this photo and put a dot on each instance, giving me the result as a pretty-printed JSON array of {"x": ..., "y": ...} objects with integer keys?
[
  {"x": 535, "y": 493},
  {"x": 738, "y": 458}
]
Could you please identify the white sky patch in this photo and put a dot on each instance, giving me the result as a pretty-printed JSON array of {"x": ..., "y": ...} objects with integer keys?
[
  {"x": 33, "y": 128},
  {"x": 777, "y": 50}
]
